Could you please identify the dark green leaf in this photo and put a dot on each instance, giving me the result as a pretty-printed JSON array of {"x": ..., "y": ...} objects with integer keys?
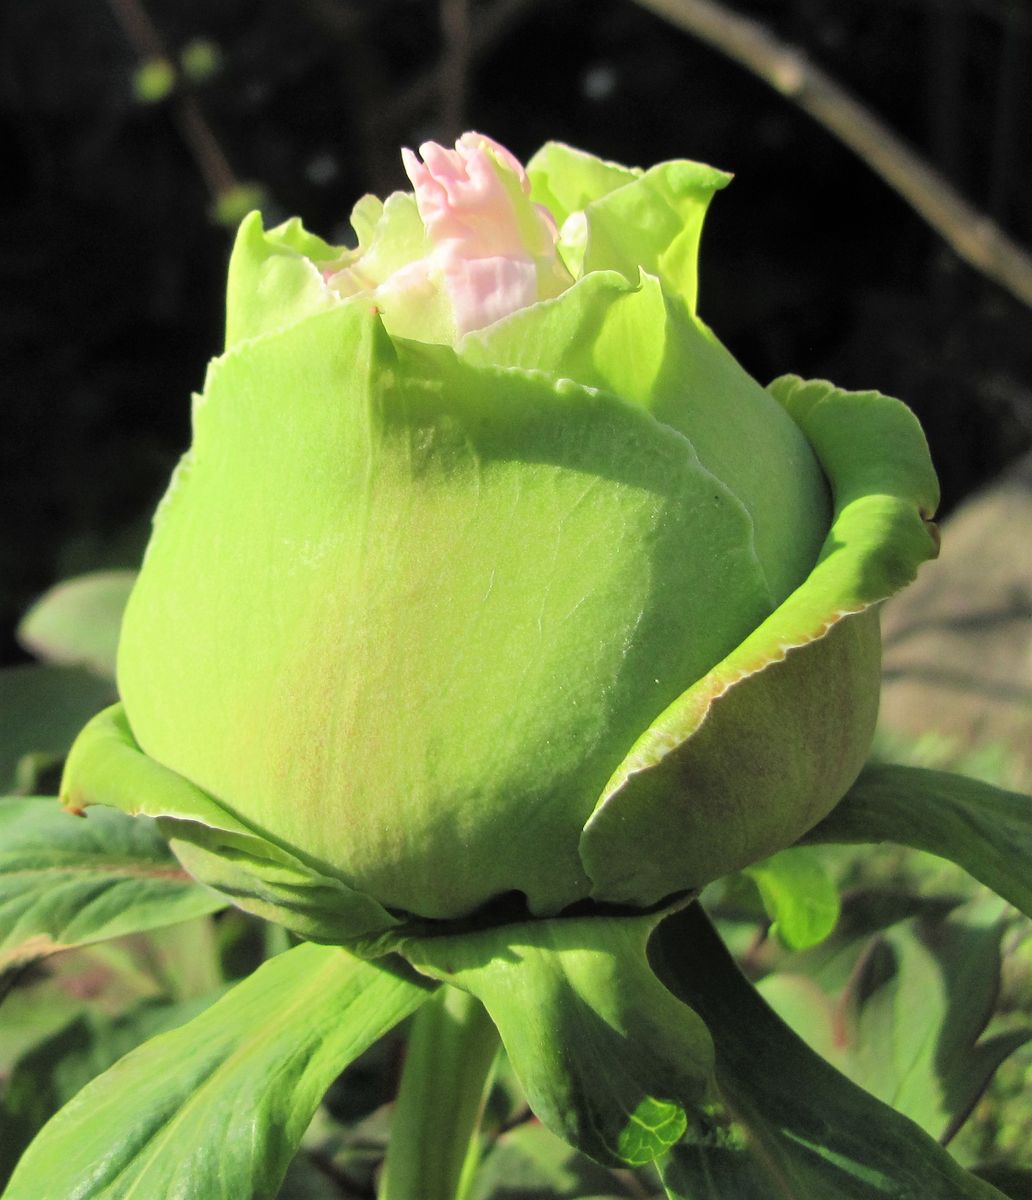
[
  {"x": 57, "y": 1068},
  {"x": 42, "y": 708},
  {"x": 531, "y": 1163},
  {"x": 907, "y": 1025},
  {"x": 800, "y": 1130},
  {"x": 984, "y": 829}
]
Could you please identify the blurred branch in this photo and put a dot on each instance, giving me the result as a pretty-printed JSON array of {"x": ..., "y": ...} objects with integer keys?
[
  {"x": 142, "y": 34},
  {"x": 454, "y": 68},
  {"x": 488, "y": 29},
  {"x": 1009, "y": 80},
  {"x": 972, "y": 235}
]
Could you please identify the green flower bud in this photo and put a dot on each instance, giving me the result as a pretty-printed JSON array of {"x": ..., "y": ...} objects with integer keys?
[{"x": 490, "y": 570}]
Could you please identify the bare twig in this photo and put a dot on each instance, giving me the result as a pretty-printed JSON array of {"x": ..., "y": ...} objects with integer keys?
[
  {"x": 454, "y": 68},
  {"x": 142, "y": 34},
  {"x": 971, "y": 234},
  {"x": 1009, "y": 78},
  {"x": 489, "y": 28}
]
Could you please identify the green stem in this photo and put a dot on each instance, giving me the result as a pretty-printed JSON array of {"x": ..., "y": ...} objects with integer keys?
[{"x": 434, "y": 1146}]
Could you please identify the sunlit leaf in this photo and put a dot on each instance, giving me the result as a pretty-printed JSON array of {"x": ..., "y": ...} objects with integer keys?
[{"x": 217, "y": 1107}]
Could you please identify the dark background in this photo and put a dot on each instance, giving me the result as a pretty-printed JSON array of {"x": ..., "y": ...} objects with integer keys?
[{"x": 112, "y": 262}]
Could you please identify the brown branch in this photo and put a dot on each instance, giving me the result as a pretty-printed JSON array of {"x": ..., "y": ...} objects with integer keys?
[
  {"x": 489, "y": 28},
  {"x": 142, "y": 34},
  {"x": 971, "y": 234},
  {"x": 454, "y": 68}
]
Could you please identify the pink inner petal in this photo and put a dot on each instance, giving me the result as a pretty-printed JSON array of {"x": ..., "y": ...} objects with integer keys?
[
  {"x": 495, "y": 250},
  {"x": 483, "y": 290}
]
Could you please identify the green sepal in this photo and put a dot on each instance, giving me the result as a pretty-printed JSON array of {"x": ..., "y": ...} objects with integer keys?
[
  {"x": 798, "y": 1128},
  {"x": 610, "y": 1060},
  {"x": 216, "y": 1109},
  {"x": 765, "y": 744},
  {"x": 106, "y": 766},
  {"x": 984, "y": 829}
]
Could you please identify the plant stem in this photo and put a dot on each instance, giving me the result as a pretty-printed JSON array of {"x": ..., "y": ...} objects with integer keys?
[{"x": 434, "y": 1148}]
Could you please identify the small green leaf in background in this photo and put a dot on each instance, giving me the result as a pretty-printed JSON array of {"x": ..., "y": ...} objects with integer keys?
[
  {"x": 217, "y": 1108},
  {"x": 154, "y": 80},
  {"x": 232, "y": 205},
  {"x": 531, "y": 1163},
  {"x": 77, "y": 622},
  {"x": 200, "y": 59},
  {"x": 66, "y": 881},
  {"x": 800, "y": 897},
  {"x": 42, "y": 708},
  {"x": 984, "y": 829},
  {"x": 800, "y": 1129}
]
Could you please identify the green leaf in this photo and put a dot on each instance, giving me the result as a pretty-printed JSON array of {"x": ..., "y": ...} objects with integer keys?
[
  {"x": 67, "y": 881},
  {"x": 42, "y": 708},
  {"x": 907, "y": 1025},
  {"x": 770, "y": 738},
  {"x": 77, "y": 622},
  {"x": 983, "y": 829},
  {"x": 1015, "y": 1182},
  {"x": 800, "y": 1130},
  {"x": 800, "y": 897},
  {"x": 608, "y": 1058},
  {"x": 51, "y": 1074},
  {"x": 217, "y": 1108},
  {"x": 531, "y": 1163}
]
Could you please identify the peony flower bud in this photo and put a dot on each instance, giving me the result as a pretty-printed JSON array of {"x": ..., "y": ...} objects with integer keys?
[{"x": 491, "y": 571}]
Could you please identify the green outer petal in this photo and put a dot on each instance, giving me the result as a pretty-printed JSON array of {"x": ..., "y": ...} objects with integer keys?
[
  {"x": 406, "y": 615},
  {"x": 626, "y": 219},
  {"x": 654, "y": 224},
  {"x": 764, "y": 745},
  {"x": 106, "y": 766},
  {"x": 610, "y": 1060},
  {"x": 635, "y": 341},
  {"x": 566, "y": 180},
  {"x": 272, "y": 282}
]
